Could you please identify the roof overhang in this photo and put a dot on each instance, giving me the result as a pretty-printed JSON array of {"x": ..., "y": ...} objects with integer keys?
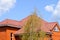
[{"x": 10, "y": 25}]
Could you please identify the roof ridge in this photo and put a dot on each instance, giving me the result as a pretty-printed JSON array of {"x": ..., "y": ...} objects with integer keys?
[
  {"x": 8, "y": 20},
  {"x": 30, "y": 15}
]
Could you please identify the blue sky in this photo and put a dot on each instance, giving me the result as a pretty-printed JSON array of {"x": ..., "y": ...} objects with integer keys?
[{"x": 19, "y": 9}]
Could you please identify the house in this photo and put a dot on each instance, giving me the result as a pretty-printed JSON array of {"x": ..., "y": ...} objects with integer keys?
[{"x": 11, "y": 29}]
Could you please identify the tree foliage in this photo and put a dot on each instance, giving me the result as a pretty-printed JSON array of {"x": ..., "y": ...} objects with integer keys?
[{"x": 29, "y": 28}]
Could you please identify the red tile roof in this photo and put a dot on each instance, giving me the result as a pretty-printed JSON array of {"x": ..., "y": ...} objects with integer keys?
[
  {"x": 9, "y": 22},
  {"x": 22, "y": 22},
  {"x": 46, "y": 26}
]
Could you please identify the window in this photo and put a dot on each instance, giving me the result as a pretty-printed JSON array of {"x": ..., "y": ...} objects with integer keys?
[
  {"x": 56, "y": 29},
  {"x": 11, "y": 35}
]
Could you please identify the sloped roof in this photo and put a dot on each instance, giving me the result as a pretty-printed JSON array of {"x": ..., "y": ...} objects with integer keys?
[
  {"x": 9, "y": 22},
  {"x": 23, "y": 21},
  {"x": 46, "y": 26}
]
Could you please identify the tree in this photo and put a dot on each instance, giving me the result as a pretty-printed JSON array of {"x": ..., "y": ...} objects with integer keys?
[{"x": 29, "y": 28}]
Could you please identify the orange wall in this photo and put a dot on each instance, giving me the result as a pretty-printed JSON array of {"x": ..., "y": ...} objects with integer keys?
[
  {"x": 56, "y": 35},
  {"x": 5, "y": 33},
  {"x": 2, "y": 34},
  {"x": 9, "y": 31}
]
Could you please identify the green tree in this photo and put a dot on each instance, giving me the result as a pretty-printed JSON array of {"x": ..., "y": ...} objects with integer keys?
[{"x": 29, "y": 28}]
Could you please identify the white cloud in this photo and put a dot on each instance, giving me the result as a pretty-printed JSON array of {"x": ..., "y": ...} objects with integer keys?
[
  {"x": 6, "y": 5},
  {"x": 49, "y": 8},
  {"x": 55, "y": 11}
]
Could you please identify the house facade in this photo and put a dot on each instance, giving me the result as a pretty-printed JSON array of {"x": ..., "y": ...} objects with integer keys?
[{"x": 11, "y": 29}]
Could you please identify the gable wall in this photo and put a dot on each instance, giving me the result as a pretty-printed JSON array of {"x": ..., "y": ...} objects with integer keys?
[{"x": 56, "y": 34}]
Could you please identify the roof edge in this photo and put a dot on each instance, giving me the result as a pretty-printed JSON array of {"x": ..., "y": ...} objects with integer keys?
[{"x": 9, "y": 25}]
